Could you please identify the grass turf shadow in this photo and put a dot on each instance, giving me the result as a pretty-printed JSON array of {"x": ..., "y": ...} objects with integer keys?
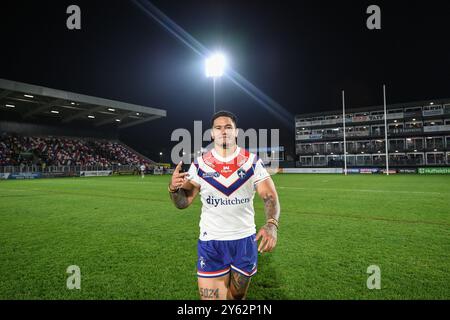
[{"x": 265, "y": 284}]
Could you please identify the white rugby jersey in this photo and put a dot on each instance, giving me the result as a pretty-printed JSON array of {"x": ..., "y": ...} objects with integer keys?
[{"x": 227, "y": 188}]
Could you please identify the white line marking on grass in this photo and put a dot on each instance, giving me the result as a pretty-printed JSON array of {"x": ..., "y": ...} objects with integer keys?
[
  {"x": 70, "y": 192},
  {"x": 374, "y": 218},
  {"x": 364, "y": 190}
]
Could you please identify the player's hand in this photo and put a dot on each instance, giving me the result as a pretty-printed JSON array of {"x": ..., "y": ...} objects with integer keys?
[
  {"x": 268, "y": 236},
  {"x": 178, "y": 178}
]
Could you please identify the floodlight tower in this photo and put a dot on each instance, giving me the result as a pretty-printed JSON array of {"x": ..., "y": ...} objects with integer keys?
[{"x": 214, "y": 68}]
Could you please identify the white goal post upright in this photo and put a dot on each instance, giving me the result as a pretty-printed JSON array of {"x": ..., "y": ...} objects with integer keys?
[
  {"x": 345, "y": 143},
  {"x": 386, "y": 131}
]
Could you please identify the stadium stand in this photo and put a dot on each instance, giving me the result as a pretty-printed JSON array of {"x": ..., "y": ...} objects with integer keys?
[
  {"x": 46, "y": 132},
  {"x": 17, "y": 150},
  {"x": 418, "y": 135}
]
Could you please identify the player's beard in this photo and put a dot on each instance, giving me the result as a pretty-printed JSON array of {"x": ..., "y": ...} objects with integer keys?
[{"x": 226, "y": 145}]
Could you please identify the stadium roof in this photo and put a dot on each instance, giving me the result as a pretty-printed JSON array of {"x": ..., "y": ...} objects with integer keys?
[{"x": 36, "y": 101}]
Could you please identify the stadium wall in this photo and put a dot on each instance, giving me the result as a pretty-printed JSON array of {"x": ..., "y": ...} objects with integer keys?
[{"x": 371, "y": 170}]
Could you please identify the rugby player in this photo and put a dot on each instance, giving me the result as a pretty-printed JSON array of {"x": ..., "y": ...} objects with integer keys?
[{"x": 227, "y": 178}]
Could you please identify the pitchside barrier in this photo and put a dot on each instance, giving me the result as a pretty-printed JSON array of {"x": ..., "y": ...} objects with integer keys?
[
  {"x": 438, "y": 170},
  {"x": 66, "y": 172},
  {"x": 20, "y": 176},
  {"x": 37, "y": 171},
  {"x": 441, "y": 170},
  {"x": 102, "y": 173},
  {"x": 311, "y": 170}
]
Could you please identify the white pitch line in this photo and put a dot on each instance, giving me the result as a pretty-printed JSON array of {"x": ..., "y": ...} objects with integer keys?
[{"x": 364, "y": 190}]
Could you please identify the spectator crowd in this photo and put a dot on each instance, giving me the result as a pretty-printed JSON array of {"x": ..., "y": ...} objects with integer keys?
[{"x": 16, "y": 150}]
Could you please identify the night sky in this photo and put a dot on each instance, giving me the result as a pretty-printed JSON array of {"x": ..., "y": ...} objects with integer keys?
[{"x": 299, "y": 53}]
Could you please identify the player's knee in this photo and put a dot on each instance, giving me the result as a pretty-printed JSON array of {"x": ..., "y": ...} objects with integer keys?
[
  {"x": 239, "y": 296},
  {"x": 236, "y": 295}
]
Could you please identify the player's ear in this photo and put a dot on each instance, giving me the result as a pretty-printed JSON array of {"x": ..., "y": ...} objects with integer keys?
[{"x": 212, "y": 134}]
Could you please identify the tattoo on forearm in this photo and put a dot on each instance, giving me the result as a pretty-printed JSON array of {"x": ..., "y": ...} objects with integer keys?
[
  {"x": 209, "y": 293},
  {"x": 271, "y": 206},
  {"x": 179, "y": 199}
]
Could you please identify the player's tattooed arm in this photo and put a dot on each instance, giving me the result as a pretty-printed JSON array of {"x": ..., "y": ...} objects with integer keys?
[
  {"x": 179, "y": 199},
  {"x": 182, "y": 192},
  {"x": 185, "y": 195},
  {"x": 271, "y": 206},
  {"x": 268, "y": 233}
]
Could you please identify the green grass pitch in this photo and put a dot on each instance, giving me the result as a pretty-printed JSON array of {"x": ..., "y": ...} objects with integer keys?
[{"x": 130, "y": 242}]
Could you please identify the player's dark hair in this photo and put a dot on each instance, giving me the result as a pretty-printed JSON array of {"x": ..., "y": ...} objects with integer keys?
[{"x": 224, "y": 113}]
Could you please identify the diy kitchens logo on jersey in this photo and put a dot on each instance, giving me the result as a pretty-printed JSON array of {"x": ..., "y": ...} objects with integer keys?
[{"x": 211, "y": 200}]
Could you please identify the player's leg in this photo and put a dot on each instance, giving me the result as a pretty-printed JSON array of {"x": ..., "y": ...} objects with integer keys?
[
  {"x": 213, "y": 270},
  {"x": 243, "y": 267},
  {"x": 238, "y": 287},
  {"x": 213, "y": 288}
]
